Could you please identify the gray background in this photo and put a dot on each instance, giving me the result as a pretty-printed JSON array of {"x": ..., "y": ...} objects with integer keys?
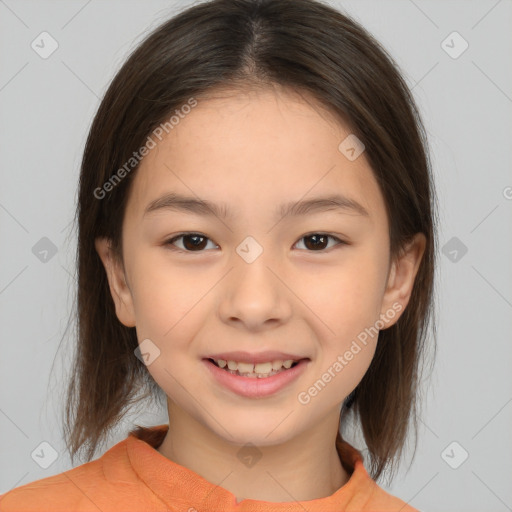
[{"x": 46, "y": 107}]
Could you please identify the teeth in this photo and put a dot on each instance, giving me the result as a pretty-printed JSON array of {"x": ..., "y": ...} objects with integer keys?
[
  {"x": 276, "y": 365},
  {"x": 244, "y": 367},
  {"x": 260, "y": 367},
  {"x": 256, "y": 370}
]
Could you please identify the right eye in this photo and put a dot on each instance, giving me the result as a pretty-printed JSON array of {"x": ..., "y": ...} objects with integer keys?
[{"x": 192, "y": 242}]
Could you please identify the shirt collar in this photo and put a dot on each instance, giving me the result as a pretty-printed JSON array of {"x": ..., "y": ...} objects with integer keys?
[{"x": 178, "y": 486}]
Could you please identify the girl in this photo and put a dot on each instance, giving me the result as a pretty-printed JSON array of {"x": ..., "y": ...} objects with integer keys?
[{"x": 256, "y": 244}]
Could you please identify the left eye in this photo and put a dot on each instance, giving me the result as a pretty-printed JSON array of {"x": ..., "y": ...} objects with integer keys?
[
  {"x": 195, "y": 242},
  {"x": 319, "y": 239}
]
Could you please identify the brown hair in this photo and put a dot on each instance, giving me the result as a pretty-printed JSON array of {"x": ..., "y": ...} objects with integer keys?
[{"x": 306, "y": 46}]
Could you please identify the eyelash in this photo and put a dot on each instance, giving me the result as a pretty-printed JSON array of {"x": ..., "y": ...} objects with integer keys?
[{"x": 170, "y": 243}]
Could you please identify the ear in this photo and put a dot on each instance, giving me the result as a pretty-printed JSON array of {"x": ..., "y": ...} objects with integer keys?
[
  {"x": 401, "y": 278},
  {"x": 121, "y": 293}
]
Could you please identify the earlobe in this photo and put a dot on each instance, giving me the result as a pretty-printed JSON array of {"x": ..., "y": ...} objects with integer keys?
[
  {"x": 119, "y": 289},
  {"x": 402, "y": 276}
]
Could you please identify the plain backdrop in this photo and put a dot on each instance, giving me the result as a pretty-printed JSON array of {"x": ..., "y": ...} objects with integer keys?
[{"x": 462, "y": 82}]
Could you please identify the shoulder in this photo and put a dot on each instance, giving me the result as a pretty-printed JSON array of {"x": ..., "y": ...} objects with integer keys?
[
  {"x": 89, "y": 487},
  {"x": 363, "y": 492},
  {"x": 384, "y": 502},
  {"x": 366, "y": 494},
  {"x": 65, "y": 491},
  {"x": 377, "y": 499},
  {"x": 58, "y": 492}
]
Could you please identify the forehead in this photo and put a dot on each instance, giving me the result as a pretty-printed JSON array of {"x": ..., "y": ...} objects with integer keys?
[{"x": 252, "y": 148}]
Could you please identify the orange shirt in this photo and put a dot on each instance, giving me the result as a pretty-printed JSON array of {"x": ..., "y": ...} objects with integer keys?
[{"x": 134, "y": 476}]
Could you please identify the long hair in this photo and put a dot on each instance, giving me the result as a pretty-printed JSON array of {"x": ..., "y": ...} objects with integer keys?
[{"x": 301, "y": 44}]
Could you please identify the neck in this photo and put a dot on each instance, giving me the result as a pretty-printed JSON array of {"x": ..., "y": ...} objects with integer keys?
[{"x": 304, "y": 468}]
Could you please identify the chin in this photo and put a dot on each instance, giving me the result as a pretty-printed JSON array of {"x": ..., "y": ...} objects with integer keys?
[{"x": 268, "y": 431}]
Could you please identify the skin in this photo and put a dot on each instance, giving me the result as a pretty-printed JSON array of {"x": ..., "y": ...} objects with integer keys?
[{"x": 255, "y": 150}]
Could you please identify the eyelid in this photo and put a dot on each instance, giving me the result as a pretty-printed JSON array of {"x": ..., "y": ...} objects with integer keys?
[
  {"x": 321, "y": 233},
  {"x": 169, "y": 242}
]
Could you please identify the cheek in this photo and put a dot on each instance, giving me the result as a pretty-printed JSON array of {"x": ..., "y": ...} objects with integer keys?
[
  {"x": 347, "y": 297},
  {"x": 162, "y": 295},
  {"x": 348, "y": 301}
]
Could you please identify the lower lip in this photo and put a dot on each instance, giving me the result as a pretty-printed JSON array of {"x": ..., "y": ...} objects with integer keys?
[{"x": 254, "y": 387}]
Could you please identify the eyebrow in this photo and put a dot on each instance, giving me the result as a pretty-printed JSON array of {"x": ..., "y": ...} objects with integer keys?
[{"x": 177, "y": 202}]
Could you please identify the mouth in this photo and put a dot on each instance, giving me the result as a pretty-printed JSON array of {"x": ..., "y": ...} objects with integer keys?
[
  {"x": 255, "y": 371},
  {"x": 255, "y": 380}
]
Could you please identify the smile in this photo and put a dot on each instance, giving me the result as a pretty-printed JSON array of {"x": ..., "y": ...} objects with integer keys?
[
  {"x": 255, "y": 380},
  {"x": 259, "y": 370}
]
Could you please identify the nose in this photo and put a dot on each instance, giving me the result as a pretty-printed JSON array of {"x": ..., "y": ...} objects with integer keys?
[{"x": 254, "y": 295}]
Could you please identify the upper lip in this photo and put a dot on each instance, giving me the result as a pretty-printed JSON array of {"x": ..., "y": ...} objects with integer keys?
[{"x": 254, "y": 358}]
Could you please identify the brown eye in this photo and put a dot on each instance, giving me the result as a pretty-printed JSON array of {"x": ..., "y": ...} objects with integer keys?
[
  {"x": 192, "y": 242},
  {"x": 317, "y": 242},
  {"x": 196, "y": 242}
]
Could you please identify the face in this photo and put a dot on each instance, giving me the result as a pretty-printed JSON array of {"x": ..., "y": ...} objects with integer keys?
[{"x": 312, "y": 284}]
